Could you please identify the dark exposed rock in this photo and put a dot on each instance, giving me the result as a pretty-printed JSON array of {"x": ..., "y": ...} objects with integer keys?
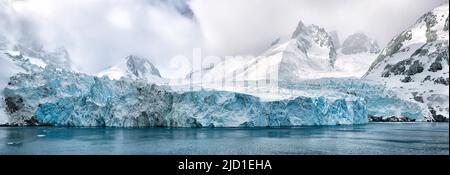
[
  {"x": 434, "y": 67},
  {"x": 415, "y": 68},
  {"x": 386, "y": 74},
  {"x": 351, "y": 93},
  {"x": 399, "y": 68},
  {"x": 418, "y": 98},
  {"x": 390, "y": 119},
  {"x": 375, "y": 119},
  {"x": 428, "y": 78},
  {"x": 440, "y": 118},
  {"x": 437, "y": 117},
  {"x": 407, "y": 79},
  {"x": 32, "y": 122},
  {"x": 441, "y": 80},
  {"x": 14, "y": 103},
  {"x": 430, "y": 21},
  {"x": 442, "y": 54},
  {"x": 446, "y": 25},
  {"x": 420, "y": 52}
]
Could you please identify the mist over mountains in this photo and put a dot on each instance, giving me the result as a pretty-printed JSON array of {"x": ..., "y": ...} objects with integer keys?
[
  {"x": 99, "y": 34},
  {"x": 61, "y": 74}
]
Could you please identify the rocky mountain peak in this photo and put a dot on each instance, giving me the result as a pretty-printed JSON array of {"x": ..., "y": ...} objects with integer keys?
[
  {"x": 141, "y": 67},
  {"x": 307, "y": 35},
  {"x": 335, "y": 39},
  {"x": 359, "y": 43}
]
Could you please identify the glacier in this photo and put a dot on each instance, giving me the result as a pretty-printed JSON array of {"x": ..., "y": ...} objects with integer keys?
[
  {"x": 381, "y": 100},
  {"x": 58, "y": 97},
  {"x": 11, "y": 64},
  {"x": 409, "y": 78}
]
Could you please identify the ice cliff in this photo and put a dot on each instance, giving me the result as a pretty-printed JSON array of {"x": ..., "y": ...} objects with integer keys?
[
  {"x": 61, "y": 98},
  {"x": 380, "y": 100}
]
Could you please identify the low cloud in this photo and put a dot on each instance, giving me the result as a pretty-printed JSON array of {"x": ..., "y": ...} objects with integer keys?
[
  {"x": 100, "y": 33},
  {"x": 249, "y": 26}
]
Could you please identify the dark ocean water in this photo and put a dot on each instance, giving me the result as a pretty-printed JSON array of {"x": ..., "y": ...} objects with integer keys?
[{"x": 374, "y": 138}]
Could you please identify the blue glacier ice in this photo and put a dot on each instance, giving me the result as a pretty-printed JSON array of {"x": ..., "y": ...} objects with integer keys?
[
  {"x": 380, "y": 100},
  {"x": 62, "y": 98},
  {"x": 223, "y": 109}
]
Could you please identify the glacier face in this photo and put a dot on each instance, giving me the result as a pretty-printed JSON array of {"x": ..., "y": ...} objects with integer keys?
[
  {"x": 222, "y": 109},
  {"x": 380, "y": 100},
  {"x": 60, "y": 98},
  {"x": 12, "y": 63},
  {"x": 8, "y": 68}
]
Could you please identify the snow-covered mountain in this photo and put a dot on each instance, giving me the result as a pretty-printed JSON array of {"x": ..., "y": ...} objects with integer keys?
[
  {"x": 335, "y": 38},
  {"x": 313, "y": 44},
  {"x": 135, "y": 68},
  {"x": 415, "y": 63},
  {"x": 359, "y": 43},
  {"x": 27, "y": 57},
  {"x": 30, "y": 54},
  {"x": 17, "y": 35},
  {"x": 309, "y": 53},
  {"x": 355, "y": 54},
  {"x": 59, "y": 57}
]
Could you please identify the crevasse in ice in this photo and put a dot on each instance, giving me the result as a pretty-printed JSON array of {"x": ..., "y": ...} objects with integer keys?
[
  {"x": 380, "y": 100},
  {"x": 61, "y": 98}
]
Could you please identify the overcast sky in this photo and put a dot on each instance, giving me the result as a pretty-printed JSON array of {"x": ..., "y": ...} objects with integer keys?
[
  {"x": 247, "y": 26},
  {"x": 100, "y": 33}
]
